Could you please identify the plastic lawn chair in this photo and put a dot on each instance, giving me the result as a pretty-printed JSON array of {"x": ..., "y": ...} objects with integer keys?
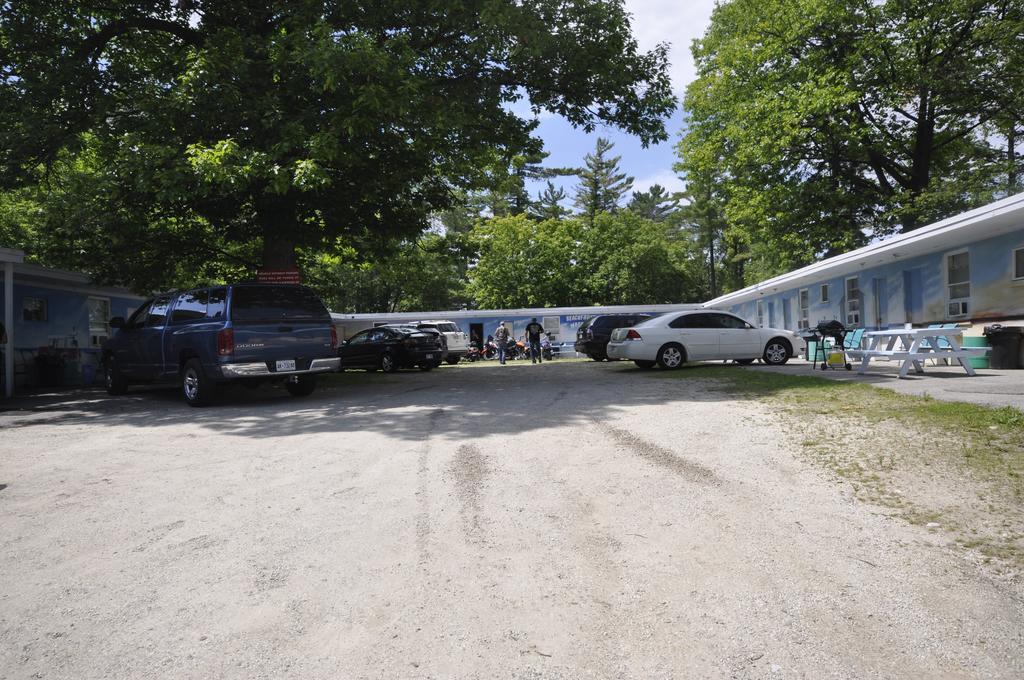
[{"x": 853, "y": 340}]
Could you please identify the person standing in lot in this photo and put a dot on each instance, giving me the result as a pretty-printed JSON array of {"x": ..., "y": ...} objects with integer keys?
[
  {"x": 533, "y": 333},
  {"x": 501, "y": 340}
]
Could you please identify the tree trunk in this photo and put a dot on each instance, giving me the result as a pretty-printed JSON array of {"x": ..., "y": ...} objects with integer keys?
[
  {"x": 1011, "y": 157},
  {"x": 711, "y": 264},
  {"x": 278, "y": 224},
  {"x": 920, "y": 169}
]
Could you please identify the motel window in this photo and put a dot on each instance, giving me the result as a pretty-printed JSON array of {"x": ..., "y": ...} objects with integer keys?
[
  {"x": 852, "y": 302},
  {"x": 760, "y": 313},
  {"x": 99, "y": 315},
  {"x": 823, "y": 294},
  {"x": 33, "y": 309},
  {"x": 805, "y": 313},
  {"x": 958, "y": 283},
  {"x": 552, "y": 326},
  {"x": 1018, "y": 264}
]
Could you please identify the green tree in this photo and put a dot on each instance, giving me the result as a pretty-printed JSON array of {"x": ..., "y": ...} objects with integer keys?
[
  {"x": 625, "y": 259},
  {"x": 832, "y": 121},
  {"x": 620, "y": 258},
  {"x": 602, "y": 184},
  {"x": 524, "y": 263},
  {"x": 426, "y": 273},
  {"x": 287, "y": 124},
  {"x": 655, "y": 204},
  {"x": 548, "y": 205}
]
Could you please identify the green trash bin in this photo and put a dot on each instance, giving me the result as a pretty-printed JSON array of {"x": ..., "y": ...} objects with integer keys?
[{"x": 977, "y": 341}]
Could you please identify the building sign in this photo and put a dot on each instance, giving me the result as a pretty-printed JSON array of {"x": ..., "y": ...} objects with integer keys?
[{"x": 278, "y": 276}]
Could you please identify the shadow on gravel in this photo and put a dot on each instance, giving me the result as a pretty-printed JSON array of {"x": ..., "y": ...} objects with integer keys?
[{"x": 464, "y": 401}]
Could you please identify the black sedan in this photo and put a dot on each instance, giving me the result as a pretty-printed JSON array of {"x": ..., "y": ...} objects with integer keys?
[{"x": 391, "y": 348}]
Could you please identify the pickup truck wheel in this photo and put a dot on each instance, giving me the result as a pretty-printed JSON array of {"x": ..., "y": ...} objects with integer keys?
[
  {"x": 300, "y": 385},
  {"x": 452, "y": 360},
  {"x": 115, "y": 381},
  {"x": 195, "y": 386},
  {"x": 388, "y": 363}
]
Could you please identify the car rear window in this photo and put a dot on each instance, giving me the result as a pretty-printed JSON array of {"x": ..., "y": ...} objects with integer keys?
[
  {"x": 256, "y": 304},
  {"x": 613, "y": 321}
]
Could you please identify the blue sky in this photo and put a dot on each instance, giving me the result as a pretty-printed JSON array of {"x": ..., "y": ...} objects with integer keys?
[{"x": 676, "y": 22}]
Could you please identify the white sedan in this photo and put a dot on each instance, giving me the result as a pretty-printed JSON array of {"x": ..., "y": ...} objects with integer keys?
[{"x": 670, "y": 340}]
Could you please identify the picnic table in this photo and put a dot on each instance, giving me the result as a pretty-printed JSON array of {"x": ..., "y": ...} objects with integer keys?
[{"x": 913, "y": 346}]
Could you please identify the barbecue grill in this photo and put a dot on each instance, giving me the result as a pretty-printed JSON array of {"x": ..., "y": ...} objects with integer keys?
[{"x": 834, "y": 356}]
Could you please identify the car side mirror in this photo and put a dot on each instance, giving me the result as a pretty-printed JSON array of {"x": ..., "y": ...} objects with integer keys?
[{"x": 117, "y": 322}]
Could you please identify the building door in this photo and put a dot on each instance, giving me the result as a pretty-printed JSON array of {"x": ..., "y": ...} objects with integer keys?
[
  {"x": 476, "y": 335},
  {"x": 787, "y": 314},
  {"x": 913, "y": 296},
  {"x": 881, "y": 302}
]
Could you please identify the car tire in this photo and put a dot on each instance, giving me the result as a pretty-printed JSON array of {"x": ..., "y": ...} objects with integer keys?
[
  {"x": 300, "y": 385},
  {"x": 777, "y": 352},
  {"x": 453, "y": 360},
  {"x": 671, "y": 356},
  {"x": 644, "y": 364},
  {"x": 115, "y": 381},
  {"x": 745, "y": 362},
  {"x": 388, "y": 363},
  {"x": 196, "y": 387}
]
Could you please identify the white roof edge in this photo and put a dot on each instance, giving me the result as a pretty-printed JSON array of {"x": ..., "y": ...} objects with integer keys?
[
  {"x": 1001, "y": 207},
  {"x": 12, "y": 255},
  {"x": 45, "y": 276}
]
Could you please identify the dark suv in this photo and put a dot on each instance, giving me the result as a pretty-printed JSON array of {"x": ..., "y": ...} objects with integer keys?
[
  {"x": 205, "y": 337},
  {"x": 593, "y": 334}
]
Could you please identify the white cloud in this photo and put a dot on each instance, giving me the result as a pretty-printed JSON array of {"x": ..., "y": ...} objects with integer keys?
[
  {"x": 665, "y": 178},
  {"x": 677, "y": 22}
]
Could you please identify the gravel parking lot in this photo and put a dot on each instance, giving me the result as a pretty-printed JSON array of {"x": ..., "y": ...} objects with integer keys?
[{"x": 564, "y": 520}]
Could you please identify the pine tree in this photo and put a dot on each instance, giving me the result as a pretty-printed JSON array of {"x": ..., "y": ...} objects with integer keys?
[
  {"x": 654, "y": 204},
  {"x": 548, "y": 205},
  {"x": 602, "y": 184}
]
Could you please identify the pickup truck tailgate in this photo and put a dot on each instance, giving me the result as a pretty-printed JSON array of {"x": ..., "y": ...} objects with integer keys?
[{"x": 279, "y": 323}]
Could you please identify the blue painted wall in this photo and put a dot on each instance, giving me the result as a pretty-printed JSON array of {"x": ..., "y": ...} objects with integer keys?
[
  {"x": 66, "y": 330},
  {"x": 912, "y": 290}
]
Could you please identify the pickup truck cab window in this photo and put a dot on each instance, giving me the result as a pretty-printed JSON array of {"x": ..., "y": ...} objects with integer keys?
[
  {"x": 270, "y": 304},
  {"x": 138, "y": 319},
  {"x": 216, "y": 304},
  {"x": 190, "y": 307},
  {"x": 157, "y": 315}
]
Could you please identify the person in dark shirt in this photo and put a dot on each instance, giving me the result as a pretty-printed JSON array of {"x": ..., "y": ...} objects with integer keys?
[
  {"x": 533, "y": 333},
  {"x": 501, "y": 340}
]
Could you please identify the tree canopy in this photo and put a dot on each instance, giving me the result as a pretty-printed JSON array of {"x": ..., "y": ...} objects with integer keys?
[
  {"x": 618, "y": 258},
  {"x": 292, "y": 123},
  {"x": 827, "y": 122}
]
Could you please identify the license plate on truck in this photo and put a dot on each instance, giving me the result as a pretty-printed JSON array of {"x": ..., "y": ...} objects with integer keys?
[
  {"x": 430, "y": 356},
  {"x": 286, "y": 365}
]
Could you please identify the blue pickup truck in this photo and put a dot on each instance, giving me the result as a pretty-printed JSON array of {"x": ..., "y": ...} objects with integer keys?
[{"x": 205, "y": 337}]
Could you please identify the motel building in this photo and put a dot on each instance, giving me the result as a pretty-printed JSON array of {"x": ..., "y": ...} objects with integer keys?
[
  {"x": 55, "y": 322},
  {"x": 968, "y": 270}
]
